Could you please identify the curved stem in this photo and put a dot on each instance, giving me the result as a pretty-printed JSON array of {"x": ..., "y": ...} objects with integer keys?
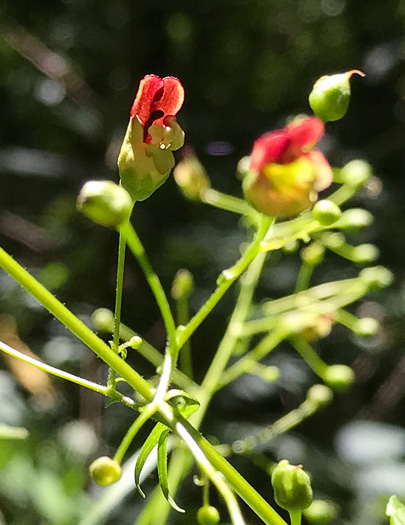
[{"x": 144, "y": 416}]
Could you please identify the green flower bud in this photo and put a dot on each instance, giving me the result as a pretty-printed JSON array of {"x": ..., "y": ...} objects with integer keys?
[
  {"x": 355, "y": 173},
  {"x": 354, "y": 219},
  {"x": 366, "y": 327},
  {"x": 313, "y": 254},
  {"x": 183, "y": 285},
  {"x": 326, "y": 212},
  {"x": 191, "y": 178},
  {"x": 365, "y": 253},
  {"x": 103, "y": 320},
  {"x": 135, "y": 342},
  {"x": 330, "y": 96},
  {"x": 105, "y": 202},
  {"x": 243, "y": 167},
  {"x": 208, "y": 515},
  {"x": 320, "y": 395},
  {"x": 377, "y": 277},
  {"x": 105, "y": 471},
  {"x": 339, "y": 377},
  {"x": 321, "y": 512},
  {"x": 292, "y": 486}
]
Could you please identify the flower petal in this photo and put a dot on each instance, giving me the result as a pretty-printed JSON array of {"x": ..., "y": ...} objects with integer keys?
[
  {"x": 324, "y": 173},
  {"x": 268, "y": 148},
  {"x": 171, "y": 100},
  {"x": 144, "y": 102},
  {"x": 306, "y": 132}
]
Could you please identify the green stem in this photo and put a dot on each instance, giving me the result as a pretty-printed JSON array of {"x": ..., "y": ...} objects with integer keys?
[
  {"x": 310, "y": 356},
  {"x": 225, "y": 281},
  {"x": 186, "y": 363},
  {"x": 144, "y": 416},
  {"x": 295, "y": 517},
  {"x": 65, "y": 375},
  {"x": 118, "y": 301},
  {"x": 304, "y": 277},
  {"x": 229, "y": 203}
]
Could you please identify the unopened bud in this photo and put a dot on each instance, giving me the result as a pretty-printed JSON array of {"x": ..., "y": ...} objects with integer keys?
[
  {"x": 320, "y": 395},
  {"x": 330, "y": 95},
  {"x": 183, "y": 285},
  {"x": 103, "y": 320},
  {"x": 377, "y": 277},
  {"x": 313, "y": 254},
  {"x": 208, "y": 515},
  {"x": 355, "y": 219},
  {"x": 355, "y": 173},
  {"x": 365, "y": 253},
  {"x": 105, "y": 471},
  {"x": 135, "y": 342},
  {"x": 191, "y": 177},
  {"x": 292, "y": 486},
  {"x": 105, "y": 202},
  {"x": 366, "y": 327},
  {"x": 326, "y": 212},
  {"x": 321, "y": 512},
  {"x": 339, "y": 377}
]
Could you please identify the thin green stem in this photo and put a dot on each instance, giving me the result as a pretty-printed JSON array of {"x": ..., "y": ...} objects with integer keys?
[
  {"x": 229, "y": 203},
  {"x": 225, "y": 281},
  {"x": 143, "y": 417},
  {"x": 118, "y": 301},
  {"x": 310, "y": 356},
  {"x": 295, "y": 517},
  {"x": 304, "y": 276},
  {"x": 185, "y": 359},
  {"x": 64, "y": 375}
]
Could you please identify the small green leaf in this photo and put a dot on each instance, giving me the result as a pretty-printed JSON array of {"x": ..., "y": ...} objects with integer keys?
[
  {"x": 395, "y": 511},
  {"x": 162, "y": 470},
  {"x": 150, "y": 443},
  {"x": 184, "y": 403}
]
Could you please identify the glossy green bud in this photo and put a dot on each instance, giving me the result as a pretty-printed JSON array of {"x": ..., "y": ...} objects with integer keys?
[
  {"x": 355, "y": 173},
  {"x": 330, "y": 95},
  {"x": 105, "y": 202},
  {"x": 366, "y": 327},
  {"x": 326, "y": 212},
  {"x": 183, "y": 285},
  {"x": 135, "y": 342},
  {"x": 103, "y": 320},
  {"x": 208, "y": 515},
  {"x": 365, "y": 253},
  {"x": 377, "y": 277},
  {"x": 321, "y": 512},
  {"x": 313, "y": 254},
  {"x": 320, "y": 395},
  {"x": 339, "y": 377},
  {"x": 292, "y": 486},
  {"x": 105, "y": 471},
  {"x": 191, "y": 178}
]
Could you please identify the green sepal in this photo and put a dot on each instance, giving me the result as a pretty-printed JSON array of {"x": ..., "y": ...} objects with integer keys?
[
  {"x": 162, "y": 470},
  {"x": 395, "y": 511},
  {"x": 182, "y": 402},
  {"x": 150, "y": 443}
]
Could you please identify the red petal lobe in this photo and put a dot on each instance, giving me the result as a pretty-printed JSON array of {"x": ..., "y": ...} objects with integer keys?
[
  {"x": 305, "y": 133},
  {"x": 268, "y": 148},
  {"x": 144, "y": 102}
]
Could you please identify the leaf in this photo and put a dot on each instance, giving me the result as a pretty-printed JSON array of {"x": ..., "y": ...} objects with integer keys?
[
  {"x": 150, "y": 443},
  {"x": 162, "y": 470},
  {"x": 395, "y": 511},
  {"x": 184, "y": 403}
]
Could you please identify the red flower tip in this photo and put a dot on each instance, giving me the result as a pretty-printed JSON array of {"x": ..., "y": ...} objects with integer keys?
[
  {"x": 157, "y": 99},
  {"x": 288, "y": 144}
]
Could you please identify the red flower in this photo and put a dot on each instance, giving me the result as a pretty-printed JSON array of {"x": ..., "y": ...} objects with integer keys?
[
  {"x": 157, "y": 99},
  {"x": 286, "y": 173},
  {"x": 146, "y": 157}
]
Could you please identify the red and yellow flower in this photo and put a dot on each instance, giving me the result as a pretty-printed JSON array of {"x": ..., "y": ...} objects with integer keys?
[
  {"x": 285, "y": 173},
  {"x": 146, "y": 158}
]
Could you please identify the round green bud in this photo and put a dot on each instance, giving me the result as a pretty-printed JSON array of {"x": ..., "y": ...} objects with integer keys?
[
  {"x": 339, "y": 377},
  {"x": 105, "y": 202},
  {"x": 326, "y": 212},
  {"x": 313, "y": 254},
  {"x": 355, "y": 173},
  {"x": 191, "y": 178},
  {"x": 321, "y": 512},
  {"x": 355, "y": 219},
  {"x": 243, "y": 167},
  {"x": 377, "y": 277},
  {"x": 135, "y": 342},
  {"x": 365, "y": 253},
  {"x": 183, "y": 285},
  {"x": 105, "y": 471},
  {"x": 320, "y": 395},
  {"x": 208, "y": 515},
  {"x": 366, "y": 327},
  {"x": 103, "y": 320},
  {"x": 292, "y": 486},
  {"x": 330, "y": 96}
]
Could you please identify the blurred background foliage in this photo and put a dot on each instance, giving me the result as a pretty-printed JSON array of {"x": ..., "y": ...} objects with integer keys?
[{"x": 69, "y": 70}]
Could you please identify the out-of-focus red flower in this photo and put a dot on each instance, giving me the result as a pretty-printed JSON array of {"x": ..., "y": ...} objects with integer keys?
[
  {"x": 285, "y": 172},
  {"x": 146, "y": 158}
]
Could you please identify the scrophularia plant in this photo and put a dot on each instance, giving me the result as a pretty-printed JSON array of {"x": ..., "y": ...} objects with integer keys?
[{"x": 282, "y": 179}]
